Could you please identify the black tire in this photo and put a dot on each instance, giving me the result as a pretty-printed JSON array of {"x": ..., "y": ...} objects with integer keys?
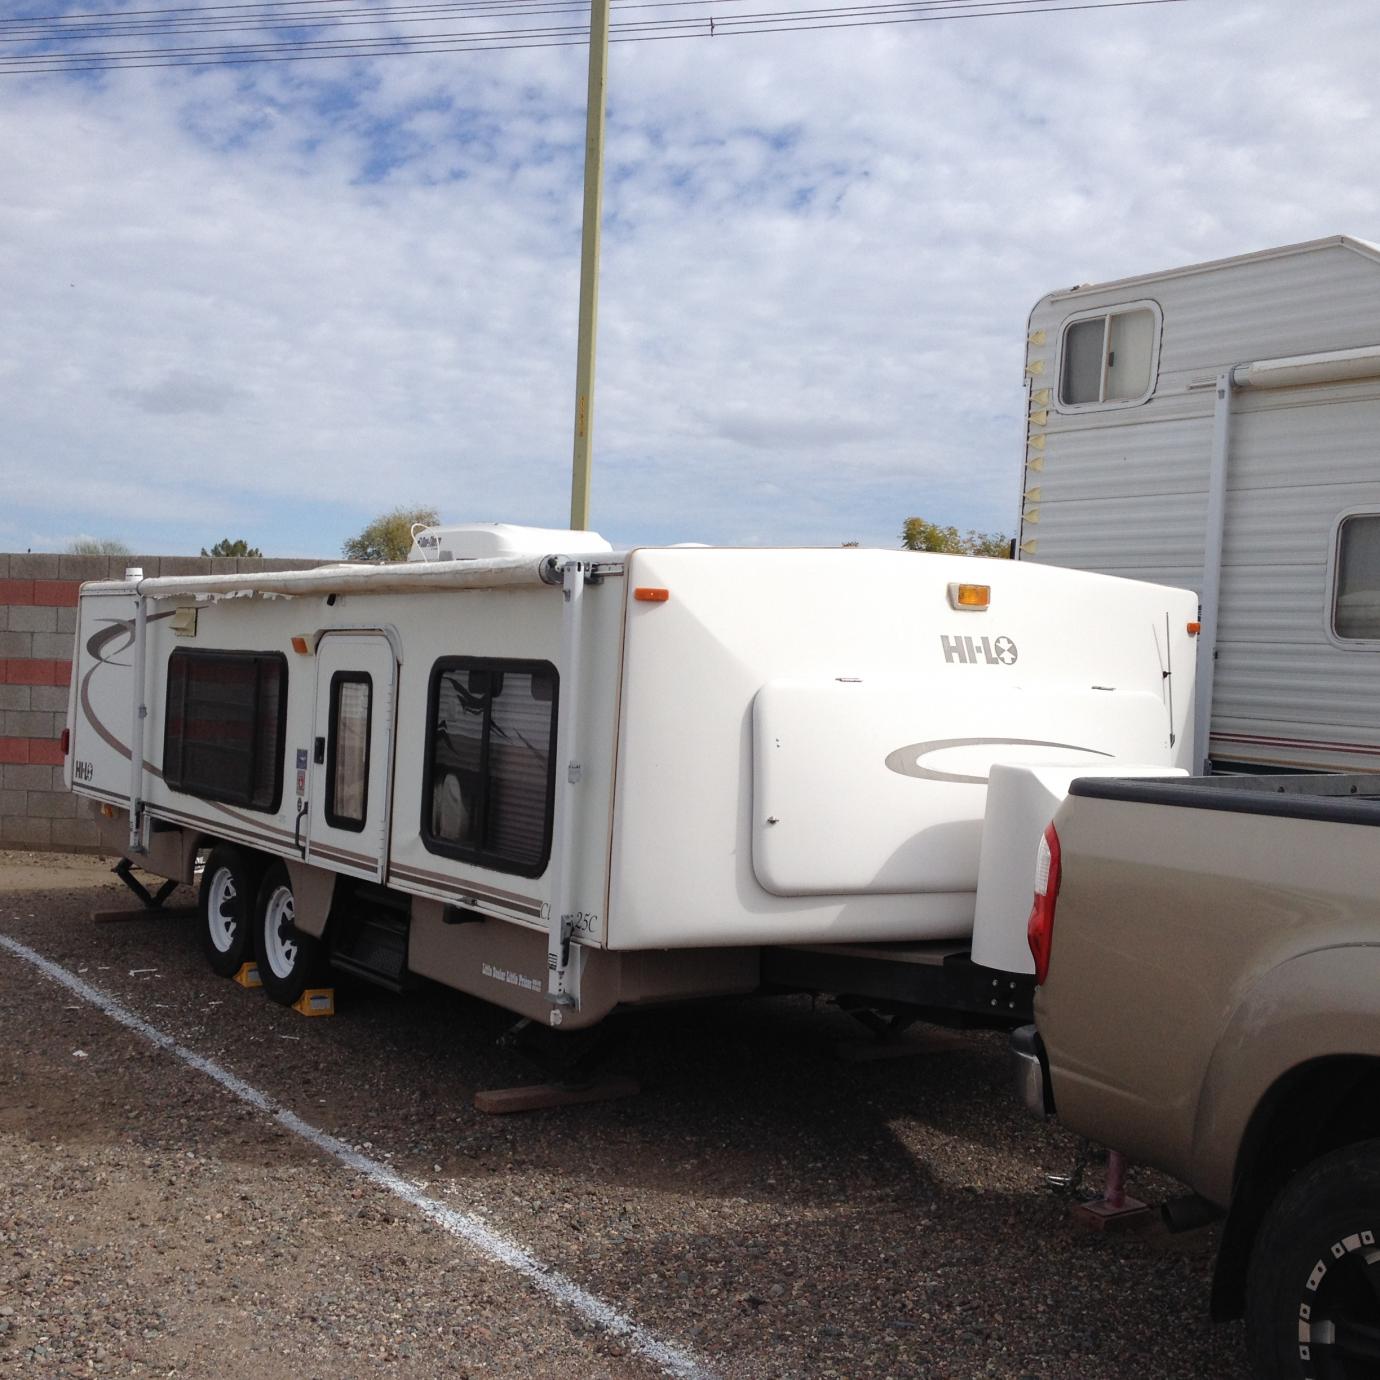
[
  {"x": 287, "y": 958},
  {"x": 1313, "y": 1291},
  {"x": 225, "y": 903}
]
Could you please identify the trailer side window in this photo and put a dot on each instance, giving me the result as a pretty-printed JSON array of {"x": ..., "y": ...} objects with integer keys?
[
  {"x": 223, "y": 733},
  {"x": 1109, "y": 358},
  {"x": 1356, "y": 593},
  {"x": 347, "y": 755},
  {"x": 490, "y": 766}
]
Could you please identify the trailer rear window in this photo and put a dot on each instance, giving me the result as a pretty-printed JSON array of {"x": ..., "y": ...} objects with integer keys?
[
  {"x": 1109, "y": 358},
  {"x": 1356, "y": 595},
  {"x": 223, "y": 734},
  {"x": 490, "y": 765}
]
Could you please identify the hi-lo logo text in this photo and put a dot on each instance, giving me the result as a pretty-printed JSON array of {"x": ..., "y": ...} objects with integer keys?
[{"x": 995, "y": 651}]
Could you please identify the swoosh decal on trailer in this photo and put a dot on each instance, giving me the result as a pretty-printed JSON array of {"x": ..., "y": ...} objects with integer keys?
[
  {"x": 97, "y": 645},
  {"x": 905, "y": 761}
]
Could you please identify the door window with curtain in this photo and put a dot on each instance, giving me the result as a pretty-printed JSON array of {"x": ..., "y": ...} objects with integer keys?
[{"x": 347, "y": 758}]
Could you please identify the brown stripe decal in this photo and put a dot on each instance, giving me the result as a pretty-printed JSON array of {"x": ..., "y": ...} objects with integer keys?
[
  {"x": 323, "y": 850},
  {"x": 458, "y": 886}
]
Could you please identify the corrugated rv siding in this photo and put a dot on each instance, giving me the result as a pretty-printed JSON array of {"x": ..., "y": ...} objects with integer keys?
[{"x": 1124, "y": 490}]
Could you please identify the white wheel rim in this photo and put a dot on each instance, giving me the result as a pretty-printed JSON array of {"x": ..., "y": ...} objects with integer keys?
[
  {"x": 280, "y": 939},
  {"x": 222, "y": 914}
]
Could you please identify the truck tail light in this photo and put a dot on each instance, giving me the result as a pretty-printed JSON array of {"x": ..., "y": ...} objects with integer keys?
[
  {"x": 66, "y": 741},
  {"x": 1039, "y": 929}
]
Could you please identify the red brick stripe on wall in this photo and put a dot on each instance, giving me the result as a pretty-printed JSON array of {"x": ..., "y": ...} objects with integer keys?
[
  {"x": 60, "y": 594},
  {"x": 34, "y": 671},
  {"x": 38, "y": 752}
]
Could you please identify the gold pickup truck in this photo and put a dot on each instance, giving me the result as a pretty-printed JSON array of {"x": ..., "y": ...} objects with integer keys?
[{"x": 1207, "y": 957}]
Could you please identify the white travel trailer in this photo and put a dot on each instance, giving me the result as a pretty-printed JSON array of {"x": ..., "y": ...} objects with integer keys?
[
  {"x": 1216, "y": 427},
  {"x": 567, "y": 782}
]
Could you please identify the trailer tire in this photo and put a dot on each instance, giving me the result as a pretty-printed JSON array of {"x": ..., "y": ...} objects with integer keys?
[
  {"x": 225, "y": 903},
  {"x": 288, "y": 959},
  {"x": 1313, "y": 1289}
]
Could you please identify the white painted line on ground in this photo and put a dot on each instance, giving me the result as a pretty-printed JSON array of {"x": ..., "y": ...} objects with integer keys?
[{"x": 671, "y": 1359}]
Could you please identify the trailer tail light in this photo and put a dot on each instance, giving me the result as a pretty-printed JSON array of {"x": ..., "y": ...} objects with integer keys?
[
  {"x": 66, "y": 741},
  {"x": 1040, "y": 928}
]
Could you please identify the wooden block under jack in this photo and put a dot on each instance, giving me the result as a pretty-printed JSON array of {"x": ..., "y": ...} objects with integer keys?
[
  {"x": 248, "y": 975},
  {"x": 112, "y": 917},
  {"x": 316, "y": 1001},
  {"x": 1100, "y": 1215},
  {"x": 873, "y": 1051},
  {"x": 1116, "y": 1210},
  {"x": 539, "y": 1096}
]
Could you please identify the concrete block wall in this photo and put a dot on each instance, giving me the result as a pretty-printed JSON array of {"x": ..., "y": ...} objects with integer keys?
[{"x": 38, "y": 619}]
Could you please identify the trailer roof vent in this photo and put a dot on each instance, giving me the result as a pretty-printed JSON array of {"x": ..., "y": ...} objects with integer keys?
[{"x": 476, "y": 541}]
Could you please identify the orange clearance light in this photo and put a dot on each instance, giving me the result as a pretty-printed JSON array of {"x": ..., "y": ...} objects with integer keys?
[
  {"x": 645, "y": 595},
  {"x": 300, "y": 644},
  {"x": 974, "y": 597},
  {"x": 1194, "y": 629}
]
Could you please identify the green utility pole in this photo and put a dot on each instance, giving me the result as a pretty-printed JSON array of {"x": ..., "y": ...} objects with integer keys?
[{"x": 589, "y": 263}]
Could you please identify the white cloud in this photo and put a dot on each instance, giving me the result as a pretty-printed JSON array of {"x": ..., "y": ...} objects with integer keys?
[{"x": 272, "y": 301}]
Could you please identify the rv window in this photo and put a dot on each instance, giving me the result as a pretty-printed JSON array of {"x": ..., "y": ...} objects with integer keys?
[
  {"x": 347, "y": 755},
  {"x": 1356, "y": 600},
  {"x": 1108, "y": 358},
  {"x": 223, "y": 734},
  {"x": 490, "y": 782}
]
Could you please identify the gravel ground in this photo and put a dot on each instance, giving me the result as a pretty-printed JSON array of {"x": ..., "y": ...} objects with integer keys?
[{"x": 771, "y": 1209}]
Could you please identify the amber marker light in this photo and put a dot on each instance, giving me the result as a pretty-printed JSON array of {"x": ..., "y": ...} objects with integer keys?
[
  {"x": 973, "y": 597},
  {"x": 646, "y": 595},
  {"x": 301, "y": 645},
  {"x": 1194, "y": 629}
]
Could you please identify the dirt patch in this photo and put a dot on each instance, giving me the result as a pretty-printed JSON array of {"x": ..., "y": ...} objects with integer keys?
[{"x": 774, "y": 1210}]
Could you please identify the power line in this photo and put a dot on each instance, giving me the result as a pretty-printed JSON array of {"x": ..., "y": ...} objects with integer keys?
[{"x": 705, "y": 25}]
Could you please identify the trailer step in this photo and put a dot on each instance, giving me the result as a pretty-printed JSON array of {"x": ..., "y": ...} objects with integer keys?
[{"x": 373, "y": 946}]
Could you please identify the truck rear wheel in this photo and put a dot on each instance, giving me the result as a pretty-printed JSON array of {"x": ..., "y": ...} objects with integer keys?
[
  {"x": 287, "y": 957},
  {"x": 226, "y": 905},
  {"x": 1313, "y": 1292}
]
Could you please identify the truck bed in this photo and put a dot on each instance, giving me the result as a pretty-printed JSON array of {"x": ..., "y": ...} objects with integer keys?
[{"x": 1344, "y": 799}]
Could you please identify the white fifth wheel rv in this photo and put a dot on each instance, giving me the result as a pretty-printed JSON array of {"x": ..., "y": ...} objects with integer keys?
[
  {"x": 1218, "y": 427},
  {"x": 566, "y": 778}
]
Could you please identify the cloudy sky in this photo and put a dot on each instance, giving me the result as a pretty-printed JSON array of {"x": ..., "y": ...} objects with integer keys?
[{"x": 272, "y": 301}]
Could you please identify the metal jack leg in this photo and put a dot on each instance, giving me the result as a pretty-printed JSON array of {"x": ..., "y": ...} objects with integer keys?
[
  {"x": 1116, "y": 1208},
  {"x": 124, "y": 870},
  {"x": 152, "y": 901}
]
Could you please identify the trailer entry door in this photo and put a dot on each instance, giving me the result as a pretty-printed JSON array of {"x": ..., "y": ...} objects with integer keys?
[{"x": 352, "y": 754}]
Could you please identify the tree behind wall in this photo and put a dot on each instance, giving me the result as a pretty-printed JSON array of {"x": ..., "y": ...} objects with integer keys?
[
  {"x": 389, "y": 537},
  {"x": 919, "y": 535},
  {"x": 97, "y": 546},
  {"x": 226, "y": 547}
]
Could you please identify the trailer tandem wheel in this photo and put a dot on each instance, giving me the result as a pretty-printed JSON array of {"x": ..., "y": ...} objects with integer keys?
[
  {"x": 287, "y": 957},
  {"x": 225, "y": 903}
]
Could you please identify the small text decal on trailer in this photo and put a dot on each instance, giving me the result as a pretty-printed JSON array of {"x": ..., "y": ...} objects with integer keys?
[
  {"x": 528, "y": 984},
  {"x": 994, "y": 651}
]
